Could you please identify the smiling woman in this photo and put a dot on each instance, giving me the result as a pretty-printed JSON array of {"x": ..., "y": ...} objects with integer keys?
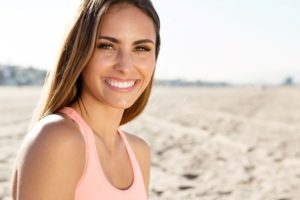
[
  {"x": 75, "y": 148},
  {"x": 124, "y": 57}
]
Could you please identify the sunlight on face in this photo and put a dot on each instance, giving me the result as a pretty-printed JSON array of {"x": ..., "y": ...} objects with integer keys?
[{"x": 123, "y": 59}]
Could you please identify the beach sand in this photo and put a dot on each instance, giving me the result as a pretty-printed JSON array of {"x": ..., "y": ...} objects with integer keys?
[{"x": 235, "y": 143}]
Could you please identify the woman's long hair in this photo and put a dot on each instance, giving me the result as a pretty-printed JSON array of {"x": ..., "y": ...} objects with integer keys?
[{"x": 63, "y": 84}]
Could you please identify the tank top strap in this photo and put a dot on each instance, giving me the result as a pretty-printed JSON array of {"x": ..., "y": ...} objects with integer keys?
[
  {"x": 83, "y": 128},
  {"x": 128, "y": 147},
  {"x": 75, "y": 117},
  {"x": 134, "y": 161}
]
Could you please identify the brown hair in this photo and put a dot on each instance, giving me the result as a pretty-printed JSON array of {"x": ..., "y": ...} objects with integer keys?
[{"x": 63, "y": 84}]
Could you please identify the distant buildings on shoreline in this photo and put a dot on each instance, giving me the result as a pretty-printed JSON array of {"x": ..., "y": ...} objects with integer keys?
[
  {"x": 179, "y": 82},
  {"x": 18, "y": 76}
]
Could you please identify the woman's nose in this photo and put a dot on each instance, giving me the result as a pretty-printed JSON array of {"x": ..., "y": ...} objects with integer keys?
[{"x": 124, "y": 61}]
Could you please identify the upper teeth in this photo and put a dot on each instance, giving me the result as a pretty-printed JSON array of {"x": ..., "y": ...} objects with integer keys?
[{"x": 119, "y": 84}]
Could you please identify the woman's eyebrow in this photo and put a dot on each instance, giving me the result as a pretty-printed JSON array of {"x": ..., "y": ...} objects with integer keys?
[
  {"x": 143, "y": 41},
  {"x": 109, "y": 38},
  {"x": 115, "y": 40}
]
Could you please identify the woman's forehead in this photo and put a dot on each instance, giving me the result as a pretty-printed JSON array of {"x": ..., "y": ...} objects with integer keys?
[{"x": 124, "y": 19}]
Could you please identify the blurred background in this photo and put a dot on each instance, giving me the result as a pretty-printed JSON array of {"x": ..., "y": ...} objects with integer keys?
[{"x": 232, "y": 69}]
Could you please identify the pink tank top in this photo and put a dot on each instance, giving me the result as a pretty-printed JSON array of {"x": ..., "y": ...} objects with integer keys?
[{"x": 93, "y": 184}]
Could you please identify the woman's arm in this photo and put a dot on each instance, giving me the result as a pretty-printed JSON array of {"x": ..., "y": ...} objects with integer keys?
[{"x": 50, "y": 164}]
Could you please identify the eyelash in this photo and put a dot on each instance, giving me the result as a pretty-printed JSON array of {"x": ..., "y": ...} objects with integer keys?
[
  {"x": 105, "y": 45},
  {"x": 142, "y": 48},
  {"x": 108, "y": 46}
]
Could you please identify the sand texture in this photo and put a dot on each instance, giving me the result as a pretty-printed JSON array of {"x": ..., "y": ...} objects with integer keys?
[{"x": 239, "y": 143}]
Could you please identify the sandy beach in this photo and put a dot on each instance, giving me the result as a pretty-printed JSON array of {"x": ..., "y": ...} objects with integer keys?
[{"x": 235, "y": 143}]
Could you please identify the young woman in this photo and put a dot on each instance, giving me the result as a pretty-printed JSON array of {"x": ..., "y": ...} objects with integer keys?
[{"x": 75, "y": 148}]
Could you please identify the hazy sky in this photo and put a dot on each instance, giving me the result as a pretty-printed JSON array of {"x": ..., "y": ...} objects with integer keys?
[{"x": 239, "y": 41}]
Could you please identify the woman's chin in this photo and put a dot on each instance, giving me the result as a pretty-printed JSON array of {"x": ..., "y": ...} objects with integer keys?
[{"x": 121, "y": 104}]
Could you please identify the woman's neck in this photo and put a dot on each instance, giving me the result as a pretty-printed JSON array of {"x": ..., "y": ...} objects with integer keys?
[{"x": 103, "y": 119}]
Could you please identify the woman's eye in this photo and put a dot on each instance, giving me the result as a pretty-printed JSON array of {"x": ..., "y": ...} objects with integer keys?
[
  {"x": 142, "y": 49},
  {"x": 105, "y": 46}
]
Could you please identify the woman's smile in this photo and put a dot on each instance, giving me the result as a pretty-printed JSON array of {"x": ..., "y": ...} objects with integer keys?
[{"x": 121, "y": 85}]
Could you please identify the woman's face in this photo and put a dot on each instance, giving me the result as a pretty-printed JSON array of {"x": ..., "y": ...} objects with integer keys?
[{"x": 123, "y": 60}]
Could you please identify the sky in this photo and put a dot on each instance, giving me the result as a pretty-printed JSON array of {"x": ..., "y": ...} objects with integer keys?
[{"x": 237, "y": 41}]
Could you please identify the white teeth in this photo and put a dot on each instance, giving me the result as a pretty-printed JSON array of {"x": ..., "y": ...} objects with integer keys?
[{"x": 119, "y": 84}]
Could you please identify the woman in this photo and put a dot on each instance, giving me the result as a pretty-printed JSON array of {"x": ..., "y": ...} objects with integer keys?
[{"x": 75, "y": 148}]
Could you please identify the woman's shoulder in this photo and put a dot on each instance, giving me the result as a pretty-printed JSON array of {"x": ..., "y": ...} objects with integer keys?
[
  {"x": 45, "y": 157},
  {"x": 52, "y": 134},
  {"x": 137, "y": 143},
  {"x": 54, "y": 128}
]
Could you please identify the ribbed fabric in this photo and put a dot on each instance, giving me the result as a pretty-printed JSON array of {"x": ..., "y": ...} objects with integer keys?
[{"x": 93, "y": 184}]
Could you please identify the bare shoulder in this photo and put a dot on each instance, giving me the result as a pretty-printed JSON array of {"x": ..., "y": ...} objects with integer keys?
[
  {"x": 138, "y": 143},
  {"x": 143, "y": 153},
  {"x": 50, "y": 160}
]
